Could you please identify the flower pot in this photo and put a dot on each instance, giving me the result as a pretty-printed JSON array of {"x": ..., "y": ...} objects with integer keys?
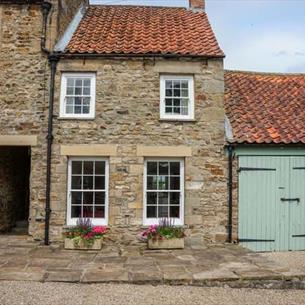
[
  {"x": 81, "y": 245},
  {"x": 173, "y": 243}
]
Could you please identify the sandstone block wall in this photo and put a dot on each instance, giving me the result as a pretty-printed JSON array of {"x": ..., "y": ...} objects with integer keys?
[{"x": 127, "y": 115}]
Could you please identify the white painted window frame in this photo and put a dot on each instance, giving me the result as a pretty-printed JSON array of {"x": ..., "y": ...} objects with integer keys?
[
  {"x": 62, "y": 112},
  {"x": 155, "y": 221},
  {"x": 191, "y": 108},
  {"x": 95, "y": 221}
]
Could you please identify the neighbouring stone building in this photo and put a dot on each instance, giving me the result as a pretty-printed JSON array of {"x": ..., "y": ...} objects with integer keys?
[{"x": 24, "y": 103}]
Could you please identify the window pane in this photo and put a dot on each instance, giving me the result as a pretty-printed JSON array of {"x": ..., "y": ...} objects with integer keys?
[
  {"x": 76, "y": 167},
  {"x": 163, "y": 183},
  {"x": 88, "y": 183},
  {"x": 177, "y": 92},
  {"x": 175, "y": 198},
  {"x": 86, "y": 101},
  {"x": 99, "y": 198},
  {"x": 99, "y": 183},
  {"x": 78, "y": 101},
  {"x": 76, "y": 198},
  {"x": 78, "y": 90},
  {"x": 151, "y": 198},
  {"x": 88, "y": 198},
  {"x": 88, "y": 212},
  {"x": 152, "y": 183},
  {"x": 184, "y": 111},
  {"x": 77, "y": 109},
  {"x": 184, "y": 84},
  {"x": 175, "y": 212},
  {"x": 70, "y": 82},
  {"x": 177, "y": 110},
  {"x": 184, "y": 102},
  {"x": 78, "y": 82},
  {"x": 86, "y": 109},
  {"x": 177, "y": 102},
  {"x": 175, "y": 183},
  {"x": 69, "y": 101},
  {"x": 151, "y": 212},
  {"x": 88, "y": 168},
  {"x": 177, "y": 84},
  {"x": 70, "y": 90},
  {"x": 168, "y": 92},
  {"x": 184, "y": 93},
  {"x": 99, "y": 212},
  {"x": 168, "y": 110},
  {"x": 168, "y": 102},
  {"x": 163, "y": 198},
  {"x": 100, "y": 167},
  {"x": 69, "y": 109},
  {"x": 76, "y": 182},
  {"x": 76, "y": 212},
  {"x": 163, "y": 168},
  {"x": 162, "y": 211},
  {"x": 152, "y": 168},
  {"x": 168, "y": 84},
  {"x": 87, "y": 82},
  {"x": 86, "y": 91},
  {"x": 175, "y": 168}
]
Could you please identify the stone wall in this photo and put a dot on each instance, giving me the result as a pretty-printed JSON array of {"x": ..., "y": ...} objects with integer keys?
[{"x": 127, "y": 114}]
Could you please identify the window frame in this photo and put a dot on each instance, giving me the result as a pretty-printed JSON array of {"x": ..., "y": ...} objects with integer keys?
[
  {"x": 95, "y": 221},
  {"x": 155, "y": 221},
  {"x": 63, "y": 90},
  {"x": 191, "y": 108}
]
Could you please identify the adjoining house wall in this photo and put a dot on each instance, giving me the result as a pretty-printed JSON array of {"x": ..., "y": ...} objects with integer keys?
[
  {"x": 23, "y": 94},
  {"x": 127, "y": 115}
]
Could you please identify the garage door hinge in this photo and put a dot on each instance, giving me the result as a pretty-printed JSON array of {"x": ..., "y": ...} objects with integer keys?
[
  {"x": 255, "y": 169},
  {"x": 247, "y": 240}
]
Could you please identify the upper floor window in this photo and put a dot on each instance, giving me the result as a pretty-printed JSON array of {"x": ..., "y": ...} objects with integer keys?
[
  {"x": 77, "y": 95},
  {"x": 177, "y": 97}
]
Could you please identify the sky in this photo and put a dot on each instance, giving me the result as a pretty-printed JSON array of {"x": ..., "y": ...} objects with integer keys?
[{"x": 256, "y": 35}]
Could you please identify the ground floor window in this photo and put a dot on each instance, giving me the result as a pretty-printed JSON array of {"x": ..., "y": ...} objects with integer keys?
[
  {"x": 163, "y": 190},
  {"x": 88, "y": 190}
]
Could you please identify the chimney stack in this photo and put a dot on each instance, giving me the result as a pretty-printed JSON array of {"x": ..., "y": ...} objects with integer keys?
[{"x": 197, "y": 5}]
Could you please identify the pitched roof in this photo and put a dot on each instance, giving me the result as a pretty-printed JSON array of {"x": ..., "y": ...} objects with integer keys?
[
  {"x": 265, "y": 108},
  {"x": 107, "y": 29}
]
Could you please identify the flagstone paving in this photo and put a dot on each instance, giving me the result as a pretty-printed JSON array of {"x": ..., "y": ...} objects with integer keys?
[{"x": 22, "y": 259}]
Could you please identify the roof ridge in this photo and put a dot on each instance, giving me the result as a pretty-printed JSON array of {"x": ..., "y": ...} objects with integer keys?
[{"x": 265, "y": 73}]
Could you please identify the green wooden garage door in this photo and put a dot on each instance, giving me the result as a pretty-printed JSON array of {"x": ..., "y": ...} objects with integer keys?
[{"x": 272, "y": 202}]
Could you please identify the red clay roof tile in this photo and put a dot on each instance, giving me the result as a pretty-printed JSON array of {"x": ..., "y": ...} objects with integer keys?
[
  {"x": 119, "y": 29},
  {"x": 265, "y": 108}
]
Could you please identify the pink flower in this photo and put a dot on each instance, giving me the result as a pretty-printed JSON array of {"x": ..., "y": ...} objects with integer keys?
[{"x": 99, "y": 230}]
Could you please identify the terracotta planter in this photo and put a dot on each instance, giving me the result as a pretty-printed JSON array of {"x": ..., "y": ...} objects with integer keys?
[
  {"x": 174, "y": 243},
  {"x": 69, "y": 244}
]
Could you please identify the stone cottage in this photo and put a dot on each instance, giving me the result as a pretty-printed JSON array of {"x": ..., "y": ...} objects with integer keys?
[{"x": 134, "y": 124}]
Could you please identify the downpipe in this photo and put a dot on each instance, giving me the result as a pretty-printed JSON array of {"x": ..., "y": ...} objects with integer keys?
[
  {"x": 230, "y": 192},
  {"x": 53, "y": 60}
]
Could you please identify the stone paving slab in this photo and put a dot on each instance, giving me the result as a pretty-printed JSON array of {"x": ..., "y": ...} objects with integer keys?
[{"x": 21, "y": 259}]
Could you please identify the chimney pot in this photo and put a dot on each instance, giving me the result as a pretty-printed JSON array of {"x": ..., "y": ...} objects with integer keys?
[{"x": 197, "y": 5}]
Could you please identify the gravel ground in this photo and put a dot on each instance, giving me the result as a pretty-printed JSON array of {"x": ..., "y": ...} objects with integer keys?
[
  {"x": 32, "y": 293},
  {"x": 291, "y": 260}
]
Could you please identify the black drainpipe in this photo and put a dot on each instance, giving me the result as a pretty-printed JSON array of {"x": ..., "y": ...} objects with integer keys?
[
  {"x": 230, "y": 191},
  {"x": 46, "y": 8},
  {"x": 53, "y": 60}
]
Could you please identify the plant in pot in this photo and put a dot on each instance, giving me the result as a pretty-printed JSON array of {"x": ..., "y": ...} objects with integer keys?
[
  {"x": 84, "y": 235},
  {"x": 165, "y": 235}
]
